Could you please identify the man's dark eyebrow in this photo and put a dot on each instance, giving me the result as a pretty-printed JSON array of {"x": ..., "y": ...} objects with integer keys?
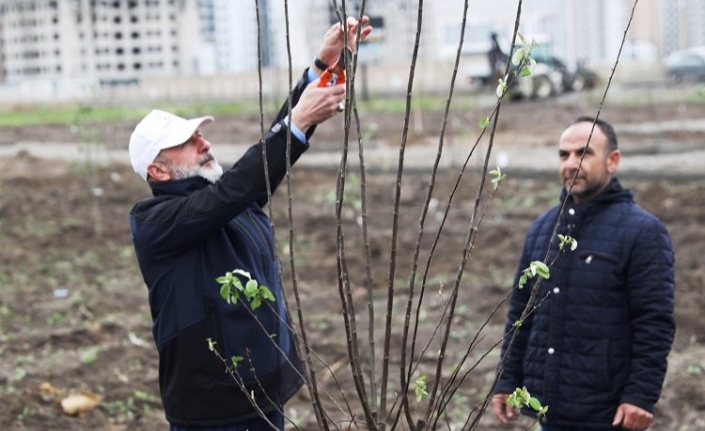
[{"x": 585, "y": 149}]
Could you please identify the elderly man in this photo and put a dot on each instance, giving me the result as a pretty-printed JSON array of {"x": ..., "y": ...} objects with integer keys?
[{"x": 204, "y": 222}]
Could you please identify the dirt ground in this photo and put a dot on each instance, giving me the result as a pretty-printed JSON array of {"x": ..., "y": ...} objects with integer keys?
[{"x": 73, "y": 310}]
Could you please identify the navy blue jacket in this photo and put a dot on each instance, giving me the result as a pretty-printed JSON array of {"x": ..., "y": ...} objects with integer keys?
[
  {"x": 604, "y": 324},
  {"x": 187, "y": 235}
]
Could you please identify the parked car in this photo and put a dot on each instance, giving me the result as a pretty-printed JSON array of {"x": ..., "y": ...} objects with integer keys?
[{"x": 688, "y": 64}]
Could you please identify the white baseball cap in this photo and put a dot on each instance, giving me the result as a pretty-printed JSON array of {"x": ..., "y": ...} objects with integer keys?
[{"x": 157, "y": 131}]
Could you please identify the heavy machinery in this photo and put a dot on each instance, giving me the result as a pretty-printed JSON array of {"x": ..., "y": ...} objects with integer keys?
[{"x": 550, "y": 76}]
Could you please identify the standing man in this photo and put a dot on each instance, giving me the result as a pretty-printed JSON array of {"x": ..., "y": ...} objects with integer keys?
[
  {"x": 202, "y": 223},
  {"x": 594, "y": 349}
]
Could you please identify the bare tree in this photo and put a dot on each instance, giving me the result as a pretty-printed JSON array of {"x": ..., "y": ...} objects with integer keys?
[{"x": 382, "y": 401}]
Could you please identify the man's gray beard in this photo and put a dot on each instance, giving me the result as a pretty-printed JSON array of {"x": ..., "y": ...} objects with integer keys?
[{"x": 211, "y": 173}]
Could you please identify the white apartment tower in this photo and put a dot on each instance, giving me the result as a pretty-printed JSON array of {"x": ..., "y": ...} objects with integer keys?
[
  {"x": 682, "y": 24},
  {"x": 111, "y": 41}
]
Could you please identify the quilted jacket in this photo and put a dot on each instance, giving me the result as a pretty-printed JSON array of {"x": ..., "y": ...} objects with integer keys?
[{"x": 603, "y": 324}]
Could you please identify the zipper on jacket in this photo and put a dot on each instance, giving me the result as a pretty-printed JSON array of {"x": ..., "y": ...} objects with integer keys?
[
  {"x": 267, "y": 238},
  {"x": 247, "y": 230},
  {"x": 212, "y": 314}
]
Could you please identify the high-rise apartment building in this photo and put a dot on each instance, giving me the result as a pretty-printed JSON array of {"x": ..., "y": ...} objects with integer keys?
[
  {"x": 123, "y": 41},
  {"x": 682, "y": 24},
  {"x": 107, "y": 40}
]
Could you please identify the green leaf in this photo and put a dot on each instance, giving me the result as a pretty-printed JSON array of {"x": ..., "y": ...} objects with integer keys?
[
  {"x": 497, "y": 177},
  {"x": 251, "y": 289},
  {"x": 266, "y": 293},
  {"x": 237, "y": 284},
  {"x": 525, "y": 71},
  {"x": 518, "y": 56},
  {"x": 567, "y": 240},
  {"x": 540, "y": 268},
  {"x": 225, "y": 292},
  {"x": 255, "y": 303},
  {"x": 484, "y": 123},
  {"x": 222, "y": 280},
  {"x": 236, "y": 359},
  {"x": 501, "y": 87},
  {"x": 515, "y": 399},
  {"x": 534, "y": 404},
  {"x": 420, "y": 388}
]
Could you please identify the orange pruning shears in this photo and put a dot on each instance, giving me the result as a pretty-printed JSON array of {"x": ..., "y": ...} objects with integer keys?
[{"x": 334, "y": 75}]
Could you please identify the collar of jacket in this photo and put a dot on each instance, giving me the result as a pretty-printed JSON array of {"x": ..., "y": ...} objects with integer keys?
[
  {"x": 614, "y": 192},
  {"x": 182, "y": 187}
]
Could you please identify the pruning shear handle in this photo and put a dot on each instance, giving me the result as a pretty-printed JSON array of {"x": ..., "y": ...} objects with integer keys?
[{"x": 332, "y": 76}]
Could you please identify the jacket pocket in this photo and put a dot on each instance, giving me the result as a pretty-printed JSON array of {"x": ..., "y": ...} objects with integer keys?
[
  {"x": 599, "y": 270},
  {"x": 214, "y": 340},
  {"x": 595, "y": 257}
]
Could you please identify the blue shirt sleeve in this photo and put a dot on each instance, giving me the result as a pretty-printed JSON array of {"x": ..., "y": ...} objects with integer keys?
[
  {"x": 311, "y": 76},
  {"x": 295, "y": 131}
]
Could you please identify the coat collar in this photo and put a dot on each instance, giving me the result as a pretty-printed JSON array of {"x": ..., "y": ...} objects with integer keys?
[
  {"x": 182, "y": 187},
  {"x": 614, "y": 192}
]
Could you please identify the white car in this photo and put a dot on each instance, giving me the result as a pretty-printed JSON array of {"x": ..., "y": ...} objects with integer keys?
[{"x": 688, "y": 64}]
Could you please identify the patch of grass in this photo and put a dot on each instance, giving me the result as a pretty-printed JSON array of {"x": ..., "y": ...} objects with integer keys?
[
  {"x": 66, "y": 114},
  {"x": 31, "y": 115},
  {"x": 425, "y": 103},
  {"x": 36, "y": 115}
]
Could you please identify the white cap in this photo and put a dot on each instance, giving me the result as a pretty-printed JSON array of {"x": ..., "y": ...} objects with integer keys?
[{"x": 157, "y": 131}]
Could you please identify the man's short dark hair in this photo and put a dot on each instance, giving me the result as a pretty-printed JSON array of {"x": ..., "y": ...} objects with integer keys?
[{"x": 603, "y": 125}]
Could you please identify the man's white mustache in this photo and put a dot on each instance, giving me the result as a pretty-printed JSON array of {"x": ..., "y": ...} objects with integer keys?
[{"x": 205, "y": 159}]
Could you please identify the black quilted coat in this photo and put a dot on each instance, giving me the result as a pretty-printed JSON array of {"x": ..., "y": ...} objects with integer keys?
[{"x": 604, "y": 324}]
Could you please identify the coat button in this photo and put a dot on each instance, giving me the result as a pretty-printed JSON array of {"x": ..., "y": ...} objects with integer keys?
[
  {"x": 556, "y": 290},
  {"x": 551, "y": 350},
  {"x": 571, "y": 211}
]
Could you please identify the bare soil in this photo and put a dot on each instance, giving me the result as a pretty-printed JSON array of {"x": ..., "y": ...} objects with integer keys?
[{"x": 73, "y": 310}]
